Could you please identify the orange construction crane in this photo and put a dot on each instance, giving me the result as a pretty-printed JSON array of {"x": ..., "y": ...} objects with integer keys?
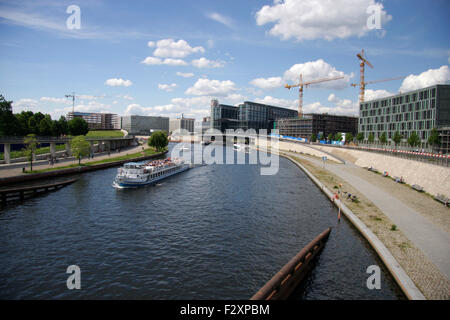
[
  {"x": 370, "y": 82},
  {"x": 307, "y": 83},
  {"x": 362, "y": 84}
]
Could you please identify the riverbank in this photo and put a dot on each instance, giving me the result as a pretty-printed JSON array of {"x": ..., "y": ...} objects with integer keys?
[
  {"x": 73, "y": 168},
  {"x": 425, "y": 275}
]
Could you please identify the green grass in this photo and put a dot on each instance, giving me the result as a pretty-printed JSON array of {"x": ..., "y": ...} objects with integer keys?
[
  {"x": 104, "y": 134},
  {"x": 20, "y": 153},
  {"x": 147, "y": 152}
]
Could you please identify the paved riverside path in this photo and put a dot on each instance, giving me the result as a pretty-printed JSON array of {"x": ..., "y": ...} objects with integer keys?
[
  {"x": 6, "y": 171},
  {"x": 430, "y": 238}
]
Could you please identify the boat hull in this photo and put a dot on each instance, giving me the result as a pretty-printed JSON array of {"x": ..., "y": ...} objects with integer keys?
[{"x": 127, "y": 184}]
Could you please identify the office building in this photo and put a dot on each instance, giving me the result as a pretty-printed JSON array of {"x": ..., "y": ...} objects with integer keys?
[
  {"x": 182, "y": 123},
  {"x": 419, "y": 110},
  {"x": 319, "y": 124},
  {"x": 97, "y": 121},
  {"x": 247, "y": 115},
  {"x": 144, "y": 125}
]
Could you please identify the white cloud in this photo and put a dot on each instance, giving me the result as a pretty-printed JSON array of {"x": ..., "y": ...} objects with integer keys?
[
  {"x": 137, "y": 109},
  {"x": 376, "y": 94},
  {"x": 55, "y": 100},
  {"x": 426, "y": 79},
  {"x": 167, "y": 87},
  {"x": 221, "y": 19},
  {"x": 318, "y": 69},
  {"x": 24, "y": 104},
  {"x": 91, "y": 106},
  {"x": 168, "y": 61},
  {"x": 313, "y": 19},
  {"x": 284, "y": 103},
  {"x": 205, "y": 63},
  {"x": 206, "y": 87},
  {"x": 151, "y": 44},
  {"x": 168, "y": 48},
  {"x": 185, "y": 75},
  {"x": 114, "y": 82},
  {"x": 267, "y": 83},
  {"x": 342, "y": 106}
]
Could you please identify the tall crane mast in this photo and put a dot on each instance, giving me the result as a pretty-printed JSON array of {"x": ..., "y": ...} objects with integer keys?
[
  {"x": 362, "y": 83},
  {"x": 73, "y": 100},
  {"x": 302, "y": 84}
]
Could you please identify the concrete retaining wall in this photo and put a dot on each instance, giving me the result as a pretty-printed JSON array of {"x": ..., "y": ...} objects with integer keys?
[
  {"x": 299, "y": 147},
  {"x": 434, "y": 179},
  {"x": 401, "y": 277}
]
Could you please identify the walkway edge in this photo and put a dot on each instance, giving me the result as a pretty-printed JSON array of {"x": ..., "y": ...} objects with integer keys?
[
  {"x": 401, "y": 277},
  {"x": 74, "y": 170}
]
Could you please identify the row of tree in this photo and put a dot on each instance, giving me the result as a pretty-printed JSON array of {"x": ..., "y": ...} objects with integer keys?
[
  {"x": 413, "y": 139},
  {"x": 27, "y": 122}
]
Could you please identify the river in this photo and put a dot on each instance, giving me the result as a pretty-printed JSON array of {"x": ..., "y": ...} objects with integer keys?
[{"x": 212, "y": 232}]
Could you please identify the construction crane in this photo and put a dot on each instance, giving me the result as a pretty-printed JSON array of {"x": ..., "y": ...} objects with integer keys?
[
  {"x": 73, "y": 96},
  {"x": 362, "y": 83},
  {"x": 374, "y": 81},
  {"x": 300, "y": 86},
  {"x": 73, "y": 100}
]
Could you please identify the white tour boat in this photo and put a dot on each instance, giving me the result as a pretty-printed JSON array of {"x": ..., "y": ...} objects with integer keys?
[{"x": 136, "y": 174}]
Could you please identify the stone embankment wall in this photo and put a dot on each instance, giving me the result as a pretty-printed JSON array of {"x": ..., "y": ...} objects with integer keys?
[{"x": 433, "y": 178}]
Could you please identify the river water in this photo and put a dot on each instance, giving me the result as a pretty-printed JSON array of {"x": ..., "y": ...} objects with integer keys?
[{"x": 212, "y": 232}]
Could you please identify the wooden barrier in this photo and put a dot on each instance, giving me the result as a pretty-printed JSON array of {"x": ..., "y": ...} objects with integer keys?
[
  {"x": 20, "y": 194},
  {"x": 289, "y": 277}
]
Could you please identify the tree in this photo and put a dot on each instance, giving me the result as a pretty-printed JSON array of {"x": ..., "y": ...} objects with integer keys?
[
  {"x": 360, "y": 136},
  {"x": 23, "y": 119},
  {"x": 330, "y": 136},
  {"x": 34, "y": 123},
  {"x": 371, "y": 138},
  {"x": 30, "y": 149},
  {"x": 349, "y": 137},
  {"x": 338, "y": 136},
  {"x": 383, "y": 138},
  {"x": 313, "y": 137},
  {"x": 434, "y": 138},
  {"x": 414, "y": 139},
  {"x": 397, "y": 137},
  {"x": 63, "y": 127},
  {"x": 45, "y": 126},
  {"x": 9, "y": 125},
  {"x": 78, "y": 127},
  {"x": 80, "y": 147},
  {"x": 158, "y": 140}
]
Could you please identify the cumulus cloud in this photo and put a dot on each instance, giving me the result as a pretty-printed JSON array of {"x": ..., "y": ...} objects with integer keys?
[
  {"x": 168, "y": 48},
  {"x": 114, "y": 82},
  {"x": 284, "y": 103},
  {"x": 267, "y": 83},
  {"x": 55, "y": 100},
  {"x": 24, "y": 104},
  {"x": 318, "y": 69},
  {"x": 168, "y": 61},
  {"x": 221, "y": 19},
  {"x": 206, "y": 87},
  {"x": 313, "y": 19},
  {"x": 137, "y": 109},
  {"x": 426, "y": 79},
  {"x": 167, "y": 87},
  {"x": 376, "y": 94},
  {"x": 205, "y": 63},
  {"x": 185, "y": 75}
]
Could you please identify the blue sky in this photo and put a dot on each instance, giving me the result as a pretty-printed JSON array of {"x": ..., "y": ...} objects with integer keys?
[{"x": 172, "y": 57}]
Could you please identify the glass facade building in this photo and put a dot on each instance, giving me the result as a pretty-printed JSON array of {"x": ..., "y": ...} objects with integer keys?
[
  {"x": 248, "y": 115},
  {"x": 319, "y": 124},
  {"x": 419, "y": 110}
]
